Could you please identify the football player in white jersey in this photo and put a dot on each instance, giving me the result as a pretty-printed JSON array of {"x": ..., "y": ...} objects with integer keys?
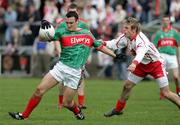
[{"x": 147, "y": 61}]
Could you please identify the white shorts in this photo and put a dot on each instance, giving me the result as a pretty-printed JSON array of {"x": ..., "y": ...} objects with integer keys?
[
  {"x": 162, "y": 81},
  {"x": 70, "y": 77},
  {"x": 170, "y": 61}
]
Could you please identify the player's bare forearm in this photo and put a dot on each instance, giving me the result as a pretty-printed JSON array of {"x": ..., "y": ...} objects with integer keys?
[
  {"x": 108, "y": 51},
  {"x": 57, "y": 48},
  {"x": 178, "y": 56}
]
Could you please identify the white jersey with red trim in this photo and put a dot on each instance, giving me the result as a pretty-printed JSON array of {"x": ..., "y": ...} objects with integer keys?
[{"x": 140, "y": 47}]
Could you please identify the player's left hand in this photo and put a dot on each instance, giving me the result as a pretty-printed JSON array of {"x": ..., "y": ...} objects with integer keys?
[
  {"x": 45, "y": 24},
  {"x": 132, "y": 67}
]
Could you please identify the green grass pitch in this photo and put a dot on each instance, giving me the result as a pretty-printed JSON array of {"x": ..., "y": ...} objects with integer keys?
[{"x": 143, "y": 106}]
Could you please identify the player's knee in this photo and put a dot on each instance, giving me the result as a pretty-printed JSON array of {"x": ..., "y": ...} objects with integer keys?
[
  {"x": 126, "y": 98},
  {"x": 166, "y": 94},
  {"x": 176, "y": 78},
  {"x": 67, "y": 103},
  {"x": 128, "y": 86},
  {"x": 38, "y": 92}
]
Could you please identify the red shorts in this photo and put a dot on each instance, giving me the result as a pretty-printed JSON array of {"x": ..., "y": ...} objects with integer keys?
[{"x": 154, "y": 69}]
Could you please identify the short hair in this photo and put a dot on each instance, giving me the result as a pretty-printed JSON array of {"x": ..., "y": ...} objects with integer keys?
[
  {"x": 166, "y": 16},
  {"x": 73, "y": 6},
  {"x": 72, "y": 14},
  {"x": 135, "y": 25}
]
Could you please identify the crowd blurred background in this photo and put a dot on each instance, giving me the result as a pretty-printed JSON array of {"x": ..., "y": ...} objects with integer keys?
[{"x": 22, "y": 52}]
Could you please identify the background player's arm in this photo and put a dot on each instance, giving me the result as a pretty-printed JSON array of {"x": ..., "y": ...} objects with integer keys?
[
  {"x": 178, "y": 56},
  {"x": 57, "y": 48},
  {"x": 177, "y": 37},
  {"x": 156, "y": 39}
]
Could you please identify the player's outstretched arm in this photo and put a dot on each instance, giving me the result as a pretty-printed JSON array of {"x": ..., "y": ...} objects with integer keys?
[{"x": 108, "y": 51}]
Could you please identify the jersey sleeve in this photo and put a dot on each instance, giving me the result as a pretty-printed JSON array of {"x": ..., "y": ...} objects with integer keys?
[
  {"x": 141, "y": 49},
  {"x": 96, "y": 44},
  {"x": 156, "y": 39},
  {"x": 111, "y": 44},
  {"x": 177, "y": 37},
  {"x": 117, "y": 43}
]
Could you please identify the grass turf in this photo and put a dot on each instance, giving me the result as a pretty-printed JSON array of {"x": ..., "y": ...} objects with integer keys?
[{"x": 143, "y": 107}]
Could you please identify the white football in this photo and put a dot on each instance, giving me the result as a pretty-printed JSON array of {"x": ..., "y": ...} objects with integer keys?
[{"x": 47, "y": 33}]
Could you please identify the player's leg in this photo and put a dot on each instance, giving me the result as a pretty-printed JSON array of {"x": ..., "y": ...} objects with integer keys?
[
  {"x": 159, "y": 74},
  {"x": 176, "y": 78},
  {"x": 128, "y": 85},
  {"x": 81, "y": 94},
  {"x": 120, "y": 105},
  {"x": 60, "y": 97},
  {"x": 71, "y": 83},
  {"x": 170, "y": 95},
  {"x": 47, "y": 82},
  {"x": 171, "y": 63},
  {"x": 68, "y": 102}
]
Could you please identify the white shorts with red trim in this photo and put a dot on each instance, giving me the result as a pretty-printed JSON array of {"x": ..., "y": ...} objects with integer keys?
[{"x": 155, "y": 69}]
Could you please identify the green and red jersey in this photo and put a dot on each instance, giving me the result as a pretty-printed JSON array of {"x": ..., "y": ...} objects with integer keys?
[
  {"x": 167, "y": 42},
  {"x": 75, "y": 46}
]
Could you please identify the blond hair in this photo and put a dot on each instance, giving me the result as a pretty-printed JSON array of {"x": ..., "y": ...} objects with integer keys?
[{"x": 134, "y": 23}]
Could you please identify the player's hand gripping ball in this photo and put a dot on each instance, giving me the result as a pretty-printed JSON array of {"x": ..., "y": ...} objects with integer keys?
[{"x": 46, "y": 31}]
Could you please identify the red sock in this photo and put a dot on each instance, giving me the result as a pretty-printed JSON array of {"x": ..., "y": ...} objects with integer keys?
[
  {"x": 81, "y": 99},
  {"x": 75, "y": 109},
  {"x": 120, "y": 105},
  {"x": 177, "y": 90},
  {"x": 33, "y": 102},
  {"x": 60, "y": 99}
]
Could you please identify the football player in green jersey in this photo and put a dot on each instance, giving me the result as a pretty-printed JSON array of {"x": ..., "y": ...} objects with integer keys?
[
  {"x": 81, "y": 94},
  {"x": 75, "y": 49},
  {"x": 167, "y": 40}
]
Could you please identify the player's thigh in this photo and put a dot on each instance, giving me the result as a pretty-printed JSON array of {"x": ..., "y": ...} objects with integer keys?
[
  {"x": 69, "y": 94},
  {"x": 81, "y": 87},
  {"x": 47, "y": 82},
  {"x": 134, "y": 78},
  {"x": 61, "y": 86},
  {"x": 175, "y": 72},
  {"x": 72, "y": 79},
  {"x": 162, "y": 81}
]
